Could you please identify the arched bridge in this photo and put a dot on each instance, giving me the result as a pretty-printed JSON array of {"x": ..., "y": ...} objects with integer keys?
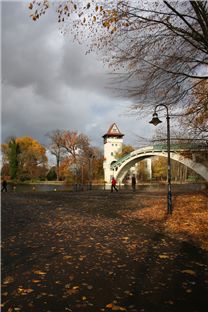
[{"x": 187, "y": 154}]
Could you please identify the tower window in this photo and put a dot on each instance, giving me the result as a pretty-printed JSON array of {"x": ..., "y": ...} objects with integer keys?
[
  {"x": 112, "y": 144},
  {"x": 111, "y": 153}
]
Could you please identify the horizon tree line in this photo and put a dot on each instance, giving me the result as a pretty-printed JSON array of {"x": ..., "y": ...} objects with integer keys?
[
  {"x": 24, "y": 158},
  {"x": 77, "y": 162}
]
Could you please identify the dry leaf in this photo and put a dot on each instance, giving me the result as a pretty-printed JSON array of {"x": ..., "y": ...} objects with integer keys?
[
  {"x": 39, "y": 272},
  {"x": 191, "y": 272},
  {"x": 24, "y": 291},
  {"x": 8, "y": 280},
  {"x": 118, "y": 308},
  {"x": 110, "y": 305},
  {"x": 67, "y": 257},
  {"x": 114, "y": 307},
  {"x": 73, "y": 290},
  {"x": 164, "y": 257}
]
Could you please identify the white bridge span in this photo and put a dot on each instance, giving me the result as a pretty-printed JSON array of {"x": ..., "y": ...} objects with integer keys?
[{"x": 177, "y": 152}]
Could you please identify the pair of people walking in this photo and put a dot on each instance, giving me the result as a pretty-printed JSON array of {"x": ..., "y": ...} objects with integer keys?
[{"x": 114, "y": 182}]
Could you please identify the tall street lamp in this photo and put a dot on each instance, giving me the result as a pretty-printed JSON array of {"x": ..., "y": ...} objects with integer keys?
[{"x": 155, "y": 121}]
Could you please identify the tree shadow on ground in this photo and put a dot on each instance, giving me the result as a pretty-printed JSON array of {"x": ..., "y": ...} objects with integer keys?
[{"x": 171, "y": 278}]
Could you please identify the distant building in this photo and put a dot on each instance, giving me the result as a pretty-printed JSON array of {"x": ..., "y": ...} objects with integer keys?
[{"x": 113, "y": 143}]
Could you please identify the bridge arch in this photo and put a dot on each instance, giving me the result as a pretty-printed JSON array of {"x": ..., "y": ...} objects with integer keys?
[{"x": 121, "y": 167}]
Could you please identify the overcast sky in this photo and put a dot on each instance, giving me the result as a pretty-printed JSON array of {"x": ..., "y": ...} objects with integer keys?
[{"x": 49, "y": 83}]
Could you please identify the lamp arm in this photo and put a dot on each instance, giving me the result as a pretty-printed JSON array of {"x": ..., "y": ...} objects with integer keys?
[{"x": 163, "y": 106}]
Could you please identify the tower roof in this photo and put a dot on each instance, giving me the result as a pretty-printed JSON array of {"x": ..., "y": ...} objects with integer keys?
[{"x": 113, "y": 131}]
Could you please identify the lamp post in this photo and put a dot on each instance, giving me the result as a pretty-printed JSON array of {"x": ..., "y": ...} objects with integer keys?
[{"x": 155, "y": 121}]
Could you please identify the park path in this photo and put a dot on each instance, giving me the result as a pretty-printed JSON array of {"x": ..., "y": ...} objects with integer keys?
[{"x": 65, "y": 251}]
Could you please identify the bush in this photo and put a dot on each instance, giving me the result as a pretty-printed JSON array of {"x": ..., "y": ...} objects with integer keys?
[
  {"x": 51, "y": 175},
  {"x": 24, "y": 177}
]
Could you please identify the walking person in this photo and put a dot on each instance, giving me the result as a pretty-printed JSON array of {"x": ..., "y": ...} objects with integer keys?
[
  {"x": 4, "y": 186},
  {"x": 113, "y": 185},
  {"x": 133, "y": 182}
]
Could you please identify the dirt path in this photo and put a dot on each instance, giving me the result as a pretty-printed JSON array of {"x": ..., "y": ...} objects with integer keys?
[{"x": 81, "y": 252}]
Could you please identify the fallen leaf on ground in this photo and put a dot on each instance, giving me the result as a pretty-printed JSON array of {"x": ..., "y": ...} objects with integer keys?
[
  {"x": 8, "y": 280},
  {"x": 24, "y": 291},
  {"x": 39, "y": 272},
  {"x": 191, "y": 272},
  {"x": 72, "y": 291},
  {"x": 114, "y": 307},
  {"x": 164, "y": 257},
  {"x": 67, "y": 257}
]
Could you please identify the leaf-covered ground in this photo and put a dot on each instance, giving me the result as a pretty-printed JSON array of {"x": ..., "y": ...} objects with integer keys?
[{"x": 96, "y": 251}]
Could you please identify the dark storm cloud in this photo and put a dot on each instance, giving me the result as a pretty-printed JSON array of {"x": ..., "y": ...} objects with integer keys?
[{"x": 49, "y": 83}]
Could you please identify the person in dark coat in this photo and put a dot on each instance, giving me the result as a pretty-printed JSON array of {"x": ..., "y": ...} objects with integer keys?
[
  {"x": 133, "y": 182},
  {"x": 4, "y": 186}
]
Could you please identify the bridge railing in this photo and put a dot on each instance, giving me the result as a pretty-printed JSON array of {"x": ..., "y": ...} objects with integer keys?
[
  {"x": 130, "y": 155},
  {"x": 120, "y": 161},
  {"x": 175, "y": 146},
  {"x": 159, "y": 148}
]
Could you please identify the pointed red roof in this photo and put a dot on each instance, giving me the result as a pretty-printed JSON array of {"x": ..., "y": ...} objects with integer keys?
[{"x": 113, "y": 131}]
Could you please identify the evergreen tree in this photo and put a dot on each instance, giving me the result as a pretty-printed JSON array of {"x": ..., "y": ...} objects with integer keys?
[{"x": 14, "y": 151}]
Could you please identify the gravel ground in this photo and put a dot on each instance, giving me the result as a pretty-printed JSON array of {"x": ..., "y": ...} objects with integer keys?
[{"x": 65, "y": 251}]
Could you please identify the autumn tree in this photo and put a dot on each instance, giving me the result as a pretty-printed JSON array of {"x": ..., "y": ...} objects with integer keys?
[
  {"x": 126, "y": 149},
  {"x": 65, "y": 171},
  {"x": 32, "y": 158},
  {"x": 159, "y": 168},
  {"x": 26, "y": 158},
  {"x": 56, "y": 147},
  {"x": 179, "y": 171},
  {"x": 4, "y": 159},
  {"x": 98, "y": 173},
  {"x": 164, "y": 47},
  {"x": 196, "y": 121},
  {"x": 142, "y": 170},
  {"x": 158, "y": 50},
  {"x": 93, "y": 164},
  {"x": 77, "y": 148},
  {"x": 74, "y": 144},
  {"x": 76, "y": 160}
]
